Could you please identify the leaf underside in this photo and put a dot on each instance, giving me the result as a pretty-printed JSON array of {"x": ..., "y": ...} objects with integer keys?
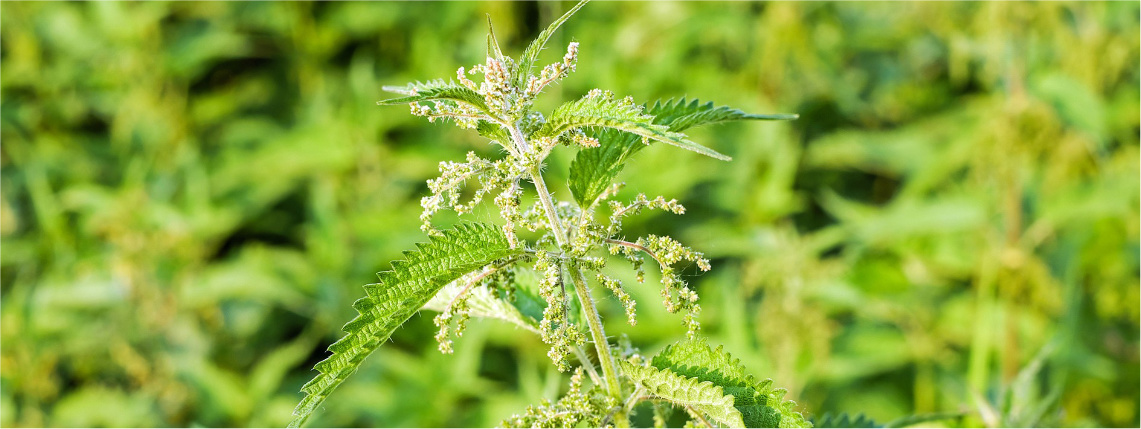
[
  {"x": 594, "y": 169},
  {"x": 435, "y": 91},
  {"x": 483, "y": 303},
  {"x": 399, "y": 294},
  {"x": 700, "y": 396},
  {"x": 760, "y": 404}
]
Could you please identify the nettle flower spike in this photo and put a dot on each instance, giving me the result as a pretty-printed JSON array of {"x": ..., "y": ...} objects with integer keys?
[{"x": 554, "y": 72}]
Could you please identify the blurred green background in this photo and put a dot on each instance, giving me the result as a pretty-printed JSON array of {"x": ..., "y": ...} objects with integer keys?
[{"x": 194, "y": 193}]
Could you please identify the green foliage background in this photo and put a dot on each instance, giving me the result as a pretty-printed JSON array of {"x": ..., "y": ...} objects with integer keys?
[{"x": 194, "y": 193}]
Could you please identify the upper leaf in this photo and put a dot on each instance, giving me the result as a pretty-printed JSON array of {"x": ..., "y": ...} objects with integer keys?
[
  {"x": 531, "y": 53},
  {"x": 493, "y": 50},
  {"x": 679, "y": 115},
  {"x": 604, "y": 111},
  {"x": 760, "y": 404},
  {"x": 701, "y": 396},
  {"x": 415, "y": 87},
  {"x": 400, "y": 293},
  {"x": 594, "y": 169},
  {"x": 436, "y": 90}
]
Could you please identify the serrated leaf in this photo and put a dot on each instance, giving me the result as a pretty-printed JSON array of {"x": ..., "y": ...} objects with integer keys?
[
  {"x": 399, "y": 294},
  {"x": 450, "y": 92},
  {"x": 593, "y": 170},
  {"x": 701, "y": 396},
  {"x": 606, "y": 112},
  {"x": 415, "y": 87},
  {"x": 760, "y": 404},
  {"x": 915, "y": 419},
  {"x": 843, "y": 420},
  {"x": 531, "y": 53},
  {"x": 680, "y": 115},
  {"x": 493, "y": 131}
]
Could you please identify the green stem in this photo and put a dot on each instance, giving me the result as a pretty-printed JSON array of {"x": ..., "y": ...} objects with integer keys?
[
  {"x": 593, "y": 320},
  {"x": 602, "y": 346}
]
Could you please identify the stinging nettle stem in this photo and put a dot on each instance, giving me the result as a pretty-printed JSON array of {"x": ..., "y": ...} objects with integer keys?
[{"x": 593, "y": 320}]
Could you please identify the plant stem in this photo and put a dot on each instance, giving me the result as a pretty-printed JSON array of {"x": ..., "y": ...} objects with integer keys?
[{"x": 593, "y": 320}]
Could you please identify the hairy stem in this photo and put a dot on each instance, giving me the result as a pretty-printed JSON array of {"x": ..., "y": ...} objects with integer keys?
[
  {"x": 593, "y": 320},
  {"x": 601, "y": 345},
  {"x": 586, "y": 363}
]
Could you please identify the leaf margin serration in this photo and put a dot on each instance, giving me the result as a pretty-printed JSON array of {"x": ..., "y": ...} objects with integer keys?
[
  {"x": 436, "y": 90},
  {"x": 604, "y": 112},
  {"x": 758, "y": 402},
  {"x": 593, "y": 169},
  {"x": 401, "y": 292},
  {"x": 702, "y": 396}
]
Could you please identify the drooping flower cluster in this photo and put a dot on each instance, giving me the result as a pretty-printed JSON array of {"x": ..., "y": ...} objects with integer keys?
[
  {"x": 556, "y": 328},
  {"x": 447, "y": 189}
]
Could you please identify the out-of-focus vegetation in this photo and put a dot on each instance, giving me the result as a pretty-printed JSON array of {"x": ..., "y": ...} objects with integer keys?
[{"x": 192, "y": 193}]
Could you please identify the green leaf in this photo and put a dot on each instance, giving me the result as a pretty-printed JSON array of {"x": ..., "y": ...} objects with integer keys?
[
  {"x": 483, "y": 303},
  {"x": 531, "y": 53},
  {"x": 606, "y": 112},
  {"x": 915, "y": 419},
  {"x": 594, "y": 169},
  {"x": 701, "y": 396},
  {"x": 493, "y": 50},
  {"x": 415, "y": 87},
  {"x": 842, "y": 420},
  {"x": 434, "y": 92},
  {"x": 401, "y": 292},
  {"x": 679, "y": 115},
  {"x": 494, "y": 132},
  {"x": 760, "y": 404}
]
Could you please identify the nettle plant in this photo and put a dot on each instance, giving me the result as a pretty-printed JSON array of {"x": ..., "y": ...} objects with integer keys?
[{"x": 547, "y": 285}]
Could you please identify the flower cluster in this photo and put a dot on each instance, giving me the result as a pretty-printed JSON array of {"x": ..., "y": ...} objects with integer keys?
[
  {"x": 619, "y": 210},
  {"x": 447, "y": 189},
  {"x": 615, "y": 287},
  {"x": 452, "y": 322},
  {"x": 553, "y": 72},
  {"x": 556, "y": 328},
  {"x": 498, "y": 88},
  {"x": 676, "y": 294},
  {"x": 578, "y": 407}
]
